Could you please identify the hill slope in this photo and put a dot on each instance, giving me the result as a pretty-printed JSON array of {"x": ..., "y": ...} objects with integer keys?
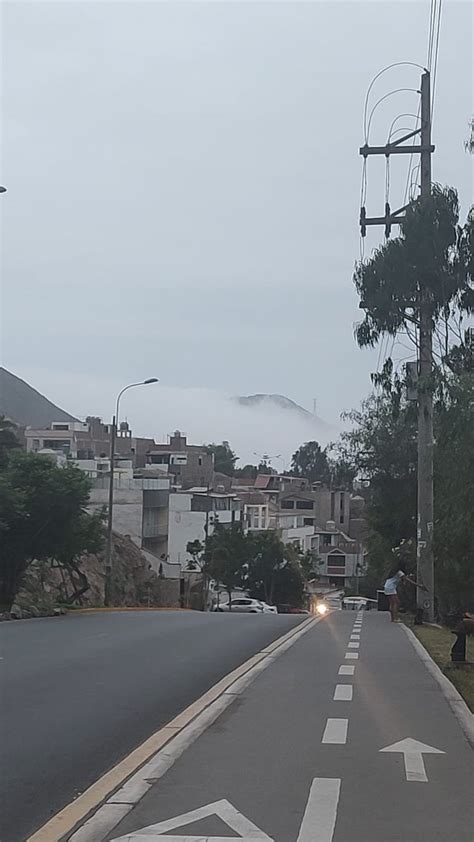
[{"x": 25, "y": 406}]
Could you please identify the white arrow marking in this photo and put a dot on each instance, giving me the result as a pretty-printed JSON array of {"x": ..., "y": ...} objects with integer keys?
[
  {"x": 248, "y": 831},
  {"x": 413, "y": 752},
  {"x": 319, "y": 818}
]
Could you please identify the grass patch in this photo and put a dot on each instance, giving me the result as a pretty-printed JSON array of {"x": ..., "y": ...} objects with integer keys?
[{"x": 438, "y": 643}]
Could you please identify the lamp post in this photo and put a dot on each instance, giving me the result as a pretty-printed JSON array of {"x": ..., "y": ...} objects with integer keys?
[
  {"x": 108, "y": 549},
  {"x": 3, "y": 189}
]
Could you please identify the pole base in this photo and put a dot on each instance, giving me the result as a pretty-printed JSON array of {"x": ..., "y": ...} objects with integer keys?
[{"x": 419, "y": 617}]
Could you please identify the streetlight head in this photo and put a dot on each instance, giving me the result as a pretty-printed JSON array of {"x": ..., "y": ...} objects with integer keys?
[
  {"x": 150, "y": 380},
  {"x": 3, "y": 189}
]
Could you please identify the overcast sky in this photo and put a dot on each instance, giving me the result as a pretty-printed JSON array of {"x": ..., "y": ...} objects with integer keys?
[{"x": 184, "y": 188}]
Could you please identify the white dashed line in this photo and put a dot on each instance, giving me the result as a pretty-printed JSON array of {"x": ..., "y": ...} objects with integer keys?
[
  {"x": 319, "y": 819},
  {"x": 343, "y": 693},
  {"x": 354, "y": 655},
  {"x": 335, "y": 731},
  {"x": 346, "y": 669},
  {"x": 355, "y": 636},
  {"x": 353, "y": 645}
]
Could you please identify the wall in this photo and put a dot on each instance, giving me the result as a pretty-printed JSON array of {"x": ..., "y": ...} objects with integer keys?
[
  {"x": 128, "y": 510},
  {"x": 324, "y": 510},
  {"x": 184, "y": 526}
]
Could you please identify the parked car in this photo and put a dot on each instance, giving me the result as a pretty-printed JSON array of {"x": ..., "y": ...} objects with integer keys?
[
  {"x": 241, "y": 605},
  {"x": 268, "y": 609}
]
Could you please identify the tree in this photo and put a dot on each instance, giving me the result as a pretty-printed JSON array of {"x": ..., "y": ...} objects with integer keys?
[
  {"x": 432, "y": 253},
  {"x": 267, "y": 559},
  {"x": 196, "y": 551},
  {"x": 43, "y": 516},
  {"x": 224, "y": 458},
  {"x": 274, "y": 572},
  {"x": 454, "y": 496},
  {"x": 311, "y": 461},
  {"x": 8, "y": 439},
  {"x": 226, "y": 556},
  {"x": 247, "y": 472}
]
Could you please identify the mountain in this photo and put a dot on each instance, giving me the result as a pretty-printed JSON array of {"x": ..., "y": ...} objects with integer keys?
[
  {"x": 25, "y": 406},
  {"x": 279, "y": 402}
]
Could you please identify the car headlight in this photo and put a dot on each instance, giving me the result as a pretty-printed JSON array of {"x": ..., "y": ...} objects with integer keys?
[{"x": 321, "y": 608}]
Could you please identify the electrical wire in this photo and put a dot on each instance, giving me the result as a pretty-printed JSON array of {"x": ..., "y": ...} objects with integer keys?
[
  {"x": 379, "y": 101},
  {"x": 377, "y": 76},
  {"x": 436, "y": 55}
]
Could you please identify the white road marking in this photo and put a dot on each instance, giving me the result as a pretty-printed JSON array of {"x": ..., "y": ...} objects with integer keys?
[
  {"x": 246, "y": 829},
  {"x": 346, "y": 669},
  {"x": 353, "y": 655},
  {"x": 343, "y": 693},
  {"x": 320, "y": 814},
  {"x": 413, "y": 752},
  {"x": 335, "y": 731},
  {"x": 355, "y": 636},
  {"x": 353, "y": 645}
]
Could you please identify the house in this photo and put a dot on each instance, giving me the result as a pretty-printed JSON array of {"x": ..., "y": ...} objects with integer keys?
[
  {"x": 87, "y": 440},
  {"x": 141, "y": 509},
  {"x": 258, "y": 512},
  {"x": 189, "y": 465},
  {"x": 341, "y": 559},
  {"x": 194, "y": 513}
]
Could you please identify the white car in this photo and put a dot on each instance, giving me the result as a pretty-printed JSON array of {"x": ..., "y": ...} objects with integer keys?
[
  {"x": 268, "y": 609},
  {"x": 241, "y": 605}
]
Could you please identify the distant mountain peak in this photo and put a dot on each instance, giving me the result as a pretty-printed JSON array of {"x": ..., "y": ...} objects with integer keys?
[
  {"x": 279, "y": 401},
  {"x": 25, "y": 406}
]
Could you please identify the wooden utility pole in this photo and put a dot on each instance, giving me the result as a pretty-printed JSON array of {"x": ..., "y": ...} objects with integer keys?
[{"x": 424, "y": 547}]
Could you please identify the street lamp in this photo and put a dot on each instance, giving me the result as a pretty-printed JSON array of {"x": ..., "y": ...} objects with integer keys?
[
  {"x": 113, "y": 433},
  {"x": 3, "y": 189}
]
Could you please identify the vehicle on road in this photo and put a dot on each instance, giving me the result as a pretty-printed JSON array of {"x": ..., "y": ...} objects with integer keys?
[
  {"x": 241, "y": 605},
  {"x": 268, "y": 609}
]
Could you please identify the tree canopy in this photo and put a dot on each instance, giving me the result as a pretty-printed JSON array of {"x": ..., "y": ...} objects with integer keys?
[
  {"x": 43, "y": 516},
  {"x": 311, "y": 461},
  {"x": 224, "y": 458},
  {"x": 433, "y": 253}
]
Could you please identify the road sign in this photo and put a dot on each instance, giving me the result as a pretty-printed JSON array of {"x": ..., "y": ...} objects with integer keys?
[
  {"x": 247, "y": 830},
  {"x": 413, "y": 752}
]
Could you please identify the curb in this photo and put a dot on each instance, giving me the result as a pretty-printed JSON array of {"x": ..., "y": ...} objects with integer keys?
[
  {"x": 452, "y": 696},
  {"x": 102, "y": 806}
]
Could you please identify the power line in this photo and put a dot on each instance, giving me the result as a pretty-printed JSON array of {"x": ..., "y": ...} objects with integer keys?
[{"x": 436, "y": 54}]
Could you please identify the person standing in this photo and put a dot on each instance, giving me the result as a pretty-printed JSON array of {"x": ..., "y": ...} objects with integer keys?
[{"x": 395, "y": 576}]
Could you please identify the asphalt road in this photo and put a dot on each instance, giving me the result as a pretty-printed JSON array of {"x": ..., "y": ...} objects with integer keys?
[
  {"x": 302, "y": 760},
  {"x": 79, "y": 692}
]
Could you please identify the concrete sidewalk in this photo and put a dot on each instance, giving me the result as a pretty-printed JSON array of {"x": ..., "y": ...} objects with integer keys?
[{"x": 299, "y": 754}]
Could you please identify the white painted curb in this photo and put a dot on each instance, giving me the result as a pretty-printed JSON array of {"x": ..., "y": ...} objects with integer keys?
[{"x": 453, "y": 697}]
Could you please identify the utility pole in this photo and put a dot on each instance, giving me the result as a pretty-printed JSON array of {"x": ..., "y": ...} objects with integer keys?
[
  {"x": 424, "y": 544},
  {"x": 424, "y": 547}
]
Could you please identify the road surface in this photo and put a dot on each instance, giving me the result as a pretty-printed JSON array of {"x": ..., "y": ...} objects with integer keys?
[
  {"x": 79, "y": 692},
  {"x": 314, "y": 751}
]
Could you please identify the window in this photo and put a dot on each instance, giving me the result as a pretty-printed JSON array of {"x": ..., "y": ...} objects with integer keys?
[
  {"x": 304, "y": 504},
  {"x": 333, "y": 504},
  {"x": 341, "y": 507},
  {"x": 288, "y": 504},
  {"x": 308, "y": 521},
  {"x": 336, "y": 561},
  {"x": 200, "y": 461},
  {"x": 36, "y": 444},
  {"x": 60, "y": 427},
  {"x": 326, "y": 540}
]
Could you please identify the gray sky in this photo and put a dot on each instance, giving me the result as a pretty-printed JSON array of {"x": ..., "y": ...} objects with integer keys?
[{"x": 184, "y": 186}]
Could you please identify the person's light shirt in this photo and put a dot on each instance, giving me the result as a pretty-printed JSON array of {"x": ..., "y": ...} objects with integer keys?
[{"x": 390, "y": 586}]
